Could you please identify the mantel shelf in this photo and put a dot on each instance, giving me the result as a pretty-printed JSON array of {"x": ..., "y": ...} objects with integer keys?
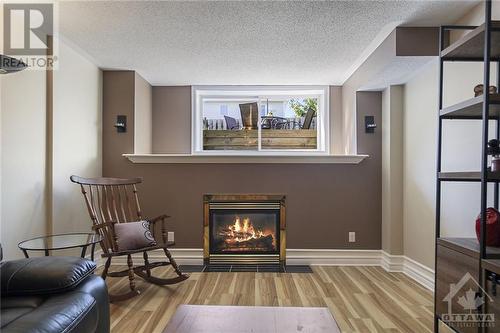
[{"x": 262, "y": 159}]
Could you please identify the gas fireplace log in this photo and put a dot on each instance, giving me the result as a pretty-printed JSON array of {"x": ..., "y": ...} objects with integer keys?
[{"x": 266, "y": 242}]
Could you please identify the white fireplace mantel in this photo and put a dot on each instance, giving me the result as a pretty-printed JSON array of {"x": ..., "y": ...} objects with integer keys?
[{"x": 262, "y": 159}]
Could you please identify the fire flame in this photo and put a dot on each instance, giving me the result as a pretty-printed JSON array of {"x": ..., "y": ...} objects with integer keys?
[{"x": 242, "y": 231}]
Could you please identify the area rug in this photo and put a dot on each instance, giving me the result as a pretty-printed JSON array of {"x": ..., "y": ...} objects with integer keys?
[{"x": 250, "y": 319}]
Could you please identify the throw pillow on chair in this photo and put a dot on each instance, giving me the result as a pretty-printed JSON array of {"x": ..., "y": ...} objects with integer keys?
[{"x": 134, "y": 235}]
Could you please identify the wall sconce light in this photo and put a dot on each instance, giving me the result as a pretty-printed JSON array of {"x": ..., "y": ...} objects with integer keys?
[
  {"x": 370, "y": 124},
  {"x": 121, "y": 124}
]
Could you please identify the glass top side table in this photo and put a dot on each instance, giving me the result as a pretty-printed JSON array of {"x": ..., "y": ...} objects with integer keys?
[{"x": 61, "y": 242}]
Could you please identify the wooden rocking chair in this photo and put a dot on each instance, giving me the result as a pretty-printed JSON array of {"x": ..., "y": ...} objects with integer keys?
[{"x": 111, "y": 201}]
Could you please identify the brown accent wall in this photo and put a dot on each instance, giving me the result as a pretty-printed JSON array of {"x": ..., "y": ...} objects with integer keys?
[
  {"x": 117, "y": 99},
  {"x": 172, "y": 119},
  {"x": 369, "y": 103},
  {"x": 417, "y": 41},
  {"x": 324, "y": 202}
]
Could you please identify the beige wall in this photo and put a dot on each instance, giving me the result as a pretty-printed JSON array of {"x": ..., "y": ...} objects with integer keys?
[
  {"x": 420, "y": 165},
  {"x": 143, "y": 116},
  {"x": 336, "y": 137},
  {"x": 76, "y": 136},
  {"x": 76, "y": 148},
  {"x": 392, "y": 170},
  {"x": 460, "y": 201},
  {"x": 23, "y": 159},
  {"x": 1, "y": 131}
]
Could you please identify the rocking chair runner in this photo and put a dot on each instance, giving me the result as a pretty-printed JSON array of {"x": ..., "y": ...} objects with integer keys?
[{"x": 111, "y": 201}]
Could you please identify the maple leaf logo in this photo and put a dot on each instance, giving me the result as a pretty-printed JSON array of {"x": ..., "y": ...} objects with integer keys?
[{"x": 470, "y": 301}]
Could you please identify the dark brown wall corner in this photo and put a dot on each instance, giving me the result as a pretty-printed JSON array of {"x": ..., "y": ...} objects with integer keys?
[
  {"x": 117, "y": 99},
  {"x": 417, "y": 41}
]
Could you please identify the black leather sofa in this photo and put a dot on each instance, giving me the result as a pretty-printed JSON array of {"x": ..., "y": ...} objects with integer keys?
[{"x": 52, "y": 294}]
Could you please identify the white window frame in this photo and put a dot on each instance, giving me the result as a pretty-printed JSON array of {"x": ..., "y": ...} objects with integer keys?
[{"x": 258, "y": 92}]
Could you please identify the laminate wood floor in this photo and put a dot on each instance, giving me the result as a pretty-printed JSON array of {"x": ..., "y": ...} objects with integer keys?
[{"x": 361, "y": 299}]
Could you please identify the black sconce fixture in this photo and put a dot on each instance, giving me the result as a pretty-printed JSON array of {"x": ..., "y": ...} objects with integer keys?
[
  {"x": 121, "y": 124},
  {"x": 370, "y": 124}
]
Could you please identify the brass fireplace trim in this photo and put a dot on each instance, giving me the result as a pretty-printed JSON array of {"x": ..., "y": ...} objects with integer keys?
[
  {"x": 244, "y": 258},
  {"x": 232, "y": 198}
]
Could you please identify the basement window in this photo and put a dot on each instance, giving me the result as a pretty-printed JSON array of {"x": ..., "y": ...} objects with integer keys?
[{"x": 260, "y": 120}]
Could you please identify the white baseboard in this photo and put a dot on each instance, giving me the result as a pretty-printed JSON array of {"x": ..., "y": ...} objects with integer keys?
[
  {"x": 418, "y": 272},
  {"x": 315, "y": 257},
  {"x": 392, "y": 263},
  {"x": 327, "y": 257}
]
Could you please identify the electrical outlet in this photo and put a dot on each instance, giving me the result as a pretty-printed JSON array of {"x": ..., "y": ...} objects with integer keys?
[
  {"x": 352, "y": 237},
  {"x": 170, "y": 236}
]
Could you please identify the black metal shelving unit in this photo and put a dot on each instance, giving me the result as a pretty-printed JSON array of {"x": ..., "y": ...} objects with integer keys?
[{"x": 479, "y": 44}]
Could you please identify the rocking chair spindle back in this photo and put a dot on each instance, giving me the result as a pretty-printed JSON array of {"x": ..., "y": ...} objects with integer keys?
[{"x": 114, "y": 200}]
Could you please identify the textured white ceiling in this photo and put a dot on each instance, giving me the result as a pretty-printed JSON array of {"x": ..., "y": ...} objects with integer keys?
[
  {"x": 241, "y": 42},
  {"x": 398, "y": 71}
]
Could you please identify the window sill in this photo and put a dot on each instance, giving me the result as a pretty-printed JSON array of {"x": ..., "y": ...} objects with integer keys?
[{"x": 195, "y": 159}]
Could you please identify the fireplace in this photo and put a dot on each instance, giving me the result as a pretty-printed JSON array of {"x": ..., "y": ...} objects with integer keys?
[{"x": 244, "y": 229}]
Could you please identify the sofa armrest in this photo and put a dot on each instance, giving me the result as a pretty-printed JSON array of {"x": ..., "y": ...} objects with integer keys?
[
  {"x": 96, "y": 287},
  {"x": 43, "y": 275},
  {"x": 72, "y": 312}
]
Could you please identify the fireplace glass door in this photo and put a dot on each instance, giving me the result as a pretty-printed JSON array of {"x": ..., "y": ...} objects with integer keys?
[{"x": 244, "y": 229}]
